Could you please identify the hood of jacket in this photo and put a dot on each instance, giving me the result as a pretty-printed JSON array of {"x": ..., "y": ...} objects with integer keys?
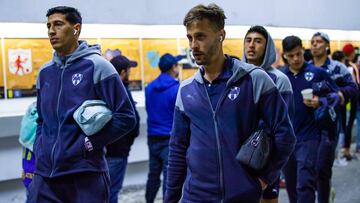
[
  {"x": 239, "y": 70},
  {"x": 269, "y": 56},
  {"x": 163, "y": 82},
  {"x": 82, "y": 51}
]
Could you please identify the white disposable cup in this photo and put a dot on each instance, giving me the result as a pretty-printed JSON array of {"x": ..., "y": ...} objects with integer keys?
[{"x": 307, "y": 93}]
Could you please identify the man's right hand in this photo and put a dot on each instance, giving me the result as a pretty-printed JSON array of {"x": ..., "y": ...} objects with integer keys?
[
  {"x": 263, "y": 184},
  {"x": 313, "y": 103},
  {"x": 342, "y": 98}
]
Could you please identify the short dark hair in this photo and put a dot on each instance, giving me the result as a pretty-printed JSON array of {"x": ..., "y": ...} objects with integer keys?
[
  {"x": 308, "y": 55},
  {"x": 338, "y": 56},
  {"x": 212, "y": 12},
  {"x": 259, "y": 29},
  {"x": 291, "y": 42},
  {"x": 71, "y": 14}
]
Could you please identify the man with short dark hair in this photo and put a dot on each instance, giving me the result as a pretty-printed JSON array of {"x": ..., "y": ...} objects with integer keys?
[
  {"x": 259, "y": 49},
  {"x": 117, "y": 152},
  {"x": 71, "y": 166},
  {"x": 320, "y": 48},
  {"x": 216, "y": 111},
  {"x": 300, "y": 171},
  {"x": 160, "y": 97}
]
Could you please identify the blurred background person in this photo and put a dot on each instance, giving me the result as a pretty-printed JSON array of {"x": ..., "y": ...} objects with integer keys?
[
  {"x": 117, "y": 152},
  {"x": 27, "y": 137},
  {"x": 160, "y": 97}
]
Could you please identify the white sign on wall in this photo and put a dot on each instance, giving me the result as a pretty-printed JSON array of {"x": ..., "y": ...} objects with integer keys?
[{"x": 20, "y": 61}]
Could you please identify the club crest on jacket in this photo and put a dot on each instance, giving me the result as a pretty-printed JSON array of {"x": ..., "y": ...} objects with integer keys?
[
  {"x": 76, "y": 78},
  {"x": 234, "y": 93},
  {"x": 309, "y": 76}
]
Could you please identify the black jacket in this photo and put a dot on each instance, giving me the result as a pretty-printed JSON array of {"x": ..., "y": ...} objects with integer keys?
[{"x": 121, "y": 147}]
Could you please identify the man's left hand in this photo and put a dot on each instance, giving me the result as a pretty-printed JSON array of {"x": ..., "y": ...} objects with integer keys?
[
  {"x": 263, "y": 184},
  {"x": 314, "y": 102}
]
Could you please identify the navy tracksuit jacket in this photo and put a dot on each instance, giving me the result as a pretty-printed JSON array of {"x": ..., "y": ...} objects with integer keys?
[
  {"x": 63, "y": 85},
  {"x": 204, "y": 141}
]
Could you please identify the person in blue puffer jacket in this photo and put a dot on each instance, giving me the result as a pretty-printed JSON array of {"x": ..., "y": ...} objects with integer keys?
[
  {"x": 160, "y": 97},
  {"x": 216, "y": 111}
]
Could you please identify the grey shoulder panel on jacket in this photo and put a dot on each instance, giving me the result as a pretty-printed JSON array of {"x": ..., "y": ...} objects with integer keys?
[
  {"x": 184, "y": 83},
  {"x": 240, "y": 69},
  {"x": 282, "y": 81},
  {"x": 102, "y": 67},
  {"x": 262, "y": 83},
  {"x": 343, "y": 69},
  {"x": 47, "y": 64}
]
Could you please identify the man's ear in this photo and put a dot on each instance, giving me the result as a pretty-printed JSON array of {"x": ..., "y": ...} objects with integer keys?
[
  {"x": 222, "y": 35},
  {"x": 77, "y": 29}
]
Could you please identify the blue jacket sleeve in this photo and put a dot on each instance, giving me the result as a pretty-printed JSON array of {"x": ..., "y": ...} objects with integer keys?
[
  {"x": 112, "y": 91},
  {"x": 332, "y": 85},
  {"x": 346, "y": 83},
  {"x": 349, "y": 88},
  {"x": 275, "y": 114},
  {"x": 283, "y": 84},
  {"x": 177, "y": 166},
  {"x": 288, "y": 98}
]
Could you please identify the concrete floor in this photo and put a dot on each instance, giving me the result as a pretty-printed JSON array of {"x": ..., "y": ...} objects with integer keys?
[{"x": 346, "y": 181}]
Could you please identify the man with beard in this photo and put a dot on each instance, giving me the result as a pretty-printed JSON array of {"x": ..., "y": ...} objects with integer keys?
[
  {"x": 216, "y": 111},
  {"x": 118, "y": 152}
]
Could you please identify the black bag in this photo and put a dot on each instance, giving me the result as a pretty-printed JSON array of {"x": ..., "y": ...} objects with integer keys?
[{"x": 255, "y": 152}]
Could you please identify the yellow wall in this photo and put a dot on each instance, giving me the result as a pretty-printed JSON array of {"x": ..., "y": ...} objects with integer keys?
[
  {"x": 41, "y": 52},
  {"x": 129, "y": 48},
  {"x": 1, "y": 69},
  {"x": 90, "y": 40},
  {"x": 152, "y": 49},
  {"x": 233, "y": 47}
]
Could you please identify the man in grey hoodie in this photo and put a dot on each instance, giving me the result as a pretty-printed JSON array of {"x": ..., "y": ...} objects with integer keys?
[{"x": 259, "y": 49}]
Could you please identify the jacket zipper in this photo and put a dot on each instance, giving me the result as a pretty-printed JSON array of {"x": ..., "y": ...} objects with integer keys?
[
  {"x": 59, "y": 124},
  {"x": 218, "y": 140}
]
